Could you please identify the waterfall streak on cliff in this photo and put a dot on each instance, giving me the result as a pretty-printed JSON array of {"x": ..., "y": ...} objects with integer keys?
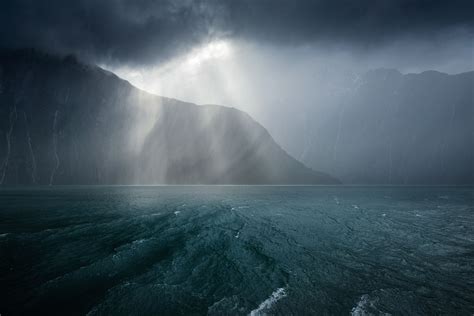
[
  {"x": 339, "y": 128},
  {"x": 390, "y": 163},
  {"x": 55, "y": 146},
  {"x": 13, "y": 117},
  {"x": 33, "y": 159}
]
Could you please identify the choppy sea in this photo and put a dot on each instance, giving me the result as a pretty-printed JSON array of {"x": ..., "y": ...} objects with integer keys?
[{"x": 237, "y": 250}]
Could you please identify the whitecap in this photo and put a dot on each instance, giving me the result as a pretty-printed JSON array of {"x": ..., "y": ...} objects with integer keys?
[
  {"x": 361, "y": 308},
  {"x": 269, "y": 302},
  {"x": 177, "y": 212},
  {"x": 366, "y": 307},
  {"x": 139, "y": 241}
]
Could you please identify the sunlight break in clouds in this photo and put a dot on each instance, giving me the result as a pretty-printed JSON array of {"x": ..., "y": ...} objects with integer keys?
[
  {"x": 214, "y": 50},
  {"x": 182, "y": 71}
]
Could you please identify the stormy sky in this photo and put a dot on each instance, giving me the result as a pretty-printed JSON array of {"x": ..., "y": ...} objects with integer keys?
[
  {"x": 143, "y": 32},
  {"x": 270, "y": 58},
  {"x": 284, "y": 62}
]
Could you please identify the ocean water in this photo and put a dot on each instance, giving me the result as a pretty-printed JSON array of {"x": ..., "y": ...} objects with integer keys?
[{"x": 237, "y": 250}]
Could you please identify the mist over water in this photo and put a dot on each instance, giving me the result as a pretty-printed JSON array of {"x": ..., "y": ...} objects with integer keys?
[{"x": 237, "y": 250}]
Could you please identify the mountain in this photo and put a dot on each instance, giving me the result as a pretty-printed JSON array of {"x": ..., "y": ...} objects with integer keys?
[
  {"x": 64, "y": 122},
  {"x": 385, "y": 127}
]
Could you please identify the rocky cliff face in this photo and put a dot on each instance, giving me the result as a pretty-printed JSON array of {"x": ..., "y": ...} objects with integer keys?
[{"x": 63, "y": 122}]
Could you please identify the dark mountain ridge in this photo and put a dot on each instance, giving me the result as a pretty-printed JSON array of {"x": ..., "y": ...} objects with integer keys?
[
  {"x": 64, "y": 122},
  {"x": 386, "y": 127}
]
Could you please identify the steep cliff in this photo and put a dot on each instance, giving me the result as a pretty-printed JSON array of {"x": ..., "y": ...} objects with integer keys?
[{"x": 63, "y": 122}]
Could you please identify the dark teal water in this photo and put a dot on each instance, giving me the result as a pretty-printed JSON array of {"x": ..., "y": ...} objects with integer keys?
[{"x": 237, "y": 251}]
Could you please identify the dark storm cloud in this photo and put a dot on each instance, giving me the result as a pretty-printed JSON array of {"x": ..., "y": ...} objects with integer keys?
[
  {"x": 144, "y": 31},
  {"x": 107, "y": 29}
]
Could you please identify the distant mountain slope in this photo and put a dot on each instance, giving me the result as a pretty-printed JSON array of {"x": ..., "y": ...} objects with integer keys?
[
  {"x": 389, "y": 128},
  {"x": 63, "y": 122}
]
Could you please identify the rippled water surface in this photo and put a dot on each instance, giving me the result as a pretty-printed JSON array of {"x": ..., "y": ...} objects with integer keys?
[{"x": 237, "y": 250}]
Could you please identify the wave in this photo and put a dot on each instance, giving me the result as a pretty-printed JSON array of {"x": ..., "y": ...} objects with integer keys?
[
  {"x": 269, "y": 302},
  {"x": 367, "y": 307}
]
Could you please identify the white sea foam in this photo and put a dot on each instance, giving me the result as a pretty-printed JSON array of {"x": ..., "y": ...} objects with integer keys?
[
  {"x": 269, "y": 302},
  {"x": 139, "y": 241},
  {"x": 177, "y": 212},
  {"x": 361, "y": 308},
  {"x": 366, "y": 307},
  {"x": 239, "y": 207}
]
